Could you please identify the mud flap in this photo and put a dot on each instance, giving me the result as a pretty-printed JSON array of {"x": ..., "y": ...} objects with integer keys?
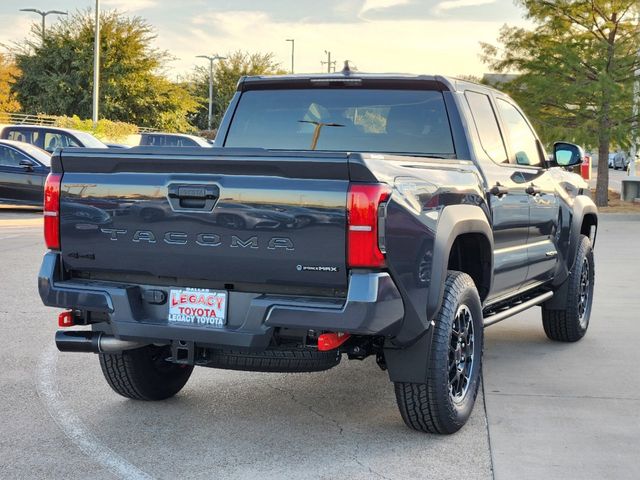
[{"x": 410, "y": 364}]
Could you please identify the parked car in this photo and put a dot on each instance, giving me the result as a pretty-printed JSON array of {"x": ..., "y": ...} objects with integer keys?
[
  {"x": 373, "y": 215},
  {"x": 116, "y": 145},
  {"x": 173, "y": 140},
  {"x": 23, "y": 170},
  {"x": 610, "y": 160},
  {"x": 50, "y": 138},
  {"x": 620, "y": 161}
]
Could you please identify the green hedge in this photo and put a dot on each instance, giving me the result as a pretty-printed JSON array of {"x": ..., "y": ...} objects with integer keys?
[{"x": 105, "y": 130}]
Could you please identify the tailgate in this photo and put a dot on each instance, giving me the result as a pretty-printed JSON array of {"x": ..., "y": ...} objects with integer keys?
[{"x": 205, "y": 217}]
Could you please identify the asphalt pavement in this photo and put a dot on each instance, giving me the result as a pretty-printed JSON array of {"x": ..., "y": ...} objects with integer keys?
[
  {"x": 615, "y": 178},
  {"x": 552, "y": 410},
  {"x": 572, "y": 410}
]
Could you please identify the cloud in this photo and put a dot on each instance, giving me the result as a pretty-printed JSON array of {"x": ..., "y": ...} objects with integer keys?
[
  {"x": 15, "y": 28},
  {"x": 381, "y": 4},
  {"x": 455, "y": 4},
  {"x": 407, "y": 45},
  {"x": 129, "y": 5}
]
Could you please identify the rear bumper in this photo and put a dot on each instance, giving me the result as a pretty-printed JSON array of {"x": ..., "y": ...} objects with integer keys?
[{"x": 373, "y": 307}]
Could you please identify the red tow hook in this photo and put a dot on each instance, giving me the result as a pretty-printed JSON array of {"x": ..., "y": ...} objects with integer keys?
[
  {"x": 65, "y": 319},
  {"x": 329, "y": 341}
]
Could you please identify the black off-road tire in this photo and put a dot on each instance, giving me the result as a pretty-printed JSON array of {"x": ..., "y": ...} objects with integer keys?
[
  {"x": 570, "y": 323},
  {"x": 431, "y": 407},
  {"x": 275, "y": 360},
  {"x": 143, "y": 373}
]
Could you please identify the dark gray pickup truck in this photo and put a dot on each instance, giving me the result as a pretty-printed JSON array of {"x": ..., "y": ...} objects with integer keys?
[{"x": 342, "y": 214}]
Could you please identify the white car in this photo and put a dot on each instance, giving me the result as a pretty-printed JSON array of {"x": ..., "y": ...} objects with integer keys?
[{"x": 620, "y": 161}]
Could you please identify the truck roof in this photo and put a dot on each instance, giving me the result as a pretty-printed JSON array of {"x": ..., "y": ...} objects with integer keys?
[{"x": 347, "y": 77}]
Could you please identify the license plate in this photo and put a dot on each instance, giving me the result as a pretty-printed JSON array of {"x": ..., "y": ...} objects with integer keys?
[{"x": 194, "y": 306}]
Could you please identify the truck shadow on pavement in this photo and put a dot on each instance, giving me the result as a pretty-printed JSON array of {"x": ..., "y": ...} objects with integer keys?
[{"x": 281, "y": 425}]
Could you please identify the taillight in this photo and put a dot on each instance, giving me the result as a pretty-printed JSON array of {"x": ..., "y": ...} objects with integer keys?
[
  {"x": 52, "y": 211},
  {"x": 363, "y": 248}
]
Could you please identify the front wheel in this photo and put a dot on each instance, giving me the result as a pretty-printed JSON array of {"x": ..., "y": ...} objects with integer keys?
[
  {"x": 144, "y": 373},
  {"x": 569, "y": 323},
  {"x": 444, "y": 403}
]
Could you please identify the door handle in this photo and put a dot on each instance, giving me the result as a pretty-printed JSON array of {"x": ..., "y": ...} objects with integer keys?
[
  {"x": 498, "y": 190},
  {"x": 533, "y": 190},
  {"x": 193, "y": 197}
]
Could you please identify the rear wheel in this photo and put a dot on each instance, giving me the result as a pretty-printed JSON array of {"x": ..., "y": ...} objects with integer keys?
[
  {"x": 144, "y": 373},
  {"x": 445, "y": 402},
  {"x": 570, "y": 323}
]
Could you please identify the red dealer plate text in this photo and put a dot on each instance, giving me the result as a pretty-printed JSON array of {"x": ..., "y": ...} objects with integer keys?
[{"x": 193, "y": 306}]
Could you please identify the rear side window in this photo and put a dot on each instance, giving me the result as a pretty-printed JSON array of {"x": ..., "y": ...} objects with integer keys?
[
  {"x": 523, "y": 141},
  {"x": 27, "y": 136},
  {"x": 487, "y": 126},
  {"x": 339, "y": 119},
  {"x": 17, "y": 136}
]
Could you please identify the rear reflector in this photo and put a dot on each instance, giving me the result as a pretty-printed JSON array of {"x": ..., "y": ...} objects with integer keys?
[
  {"x": 363, "y": 249},
  {"x": 52, "y": 211},
  {"x": 329, "y": 341},
  {"x": 65, "y": 319}
]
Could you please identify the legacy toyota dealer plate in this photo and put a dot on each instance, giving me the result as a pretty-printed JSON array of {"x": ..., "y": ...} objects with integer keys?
[{"x": 193, "y": 306}]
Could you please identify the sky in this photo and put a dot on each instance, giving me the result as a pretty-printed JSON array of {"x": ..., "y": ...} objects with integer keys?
[{"x": 408, "y": 36}]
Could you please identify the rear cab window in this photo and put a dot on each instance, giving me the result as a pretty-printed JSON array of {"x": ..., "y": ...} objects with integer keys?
[{"x": 411, "y": 122}]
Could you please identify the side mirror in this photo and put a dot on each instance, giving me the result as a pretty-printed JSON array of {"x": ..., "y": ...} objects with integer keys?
[
  {"x": 26, "y": 165},
  {"x": 567, "y": 154}
]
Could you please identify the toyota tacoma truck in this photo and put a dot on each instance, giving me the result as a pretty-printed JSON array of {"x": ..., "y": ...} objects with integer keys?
[{"x": 340, "y": 215}]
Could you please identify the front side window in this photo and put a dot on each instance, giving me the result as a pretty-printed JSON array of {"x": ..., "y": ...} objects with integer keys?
[
  {"x": 343, "y": 119},
  {"x": 10, "y": 157},
  {"x": 523, "y": 141},
  {"x": 55, "y": 140}
]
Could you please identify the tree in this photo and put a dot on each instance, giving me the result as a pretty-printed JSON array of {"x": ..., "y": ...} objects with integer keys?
[
  {"x": 8, "y": 74},
  {"x": 577, "y": 71},
  {"x": 57, "y": 75},
  {"x": 226, "y": 74}
]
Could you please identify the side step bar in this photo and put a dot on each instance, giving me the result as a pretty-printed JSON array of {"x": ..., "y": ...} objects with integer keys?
[{"x": 520, "y": 307}]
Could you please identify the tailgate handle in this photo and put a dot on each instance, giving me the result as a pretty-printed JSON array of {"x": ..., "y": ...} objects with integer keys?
[{"x": 193, "y": 197}]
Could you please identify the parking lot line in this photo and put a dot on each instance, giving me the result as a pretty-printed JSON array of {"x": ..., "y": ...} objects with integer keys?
[
  {"x": 73, "y": 427},
  {"x": 20, "y": 222}
]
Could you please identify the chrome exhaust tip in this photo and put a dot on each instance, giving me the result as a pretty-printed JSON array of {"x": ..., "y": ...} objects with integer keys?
[{"x": 92, "y": 342}]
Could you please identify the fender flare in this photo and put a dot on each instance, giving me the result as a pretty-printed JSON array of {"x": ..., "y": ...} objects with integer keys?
[
  {"x": 455, "y": 220},
  {"x": 582, "y": 206},
  {"x": 409, "y": 363}
]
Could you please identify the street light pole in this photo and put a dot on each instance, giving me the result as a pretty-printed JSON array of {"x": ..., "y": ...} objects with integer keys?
[
  {"x": 43, "y": 15},
  {"x": 96, "y": 66},
  {"x": 635, "y": 134},
  {"x": 329, "y": 63},
  {"x": 211, "y": 60},
  {"x": 293, "y": 42}
]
